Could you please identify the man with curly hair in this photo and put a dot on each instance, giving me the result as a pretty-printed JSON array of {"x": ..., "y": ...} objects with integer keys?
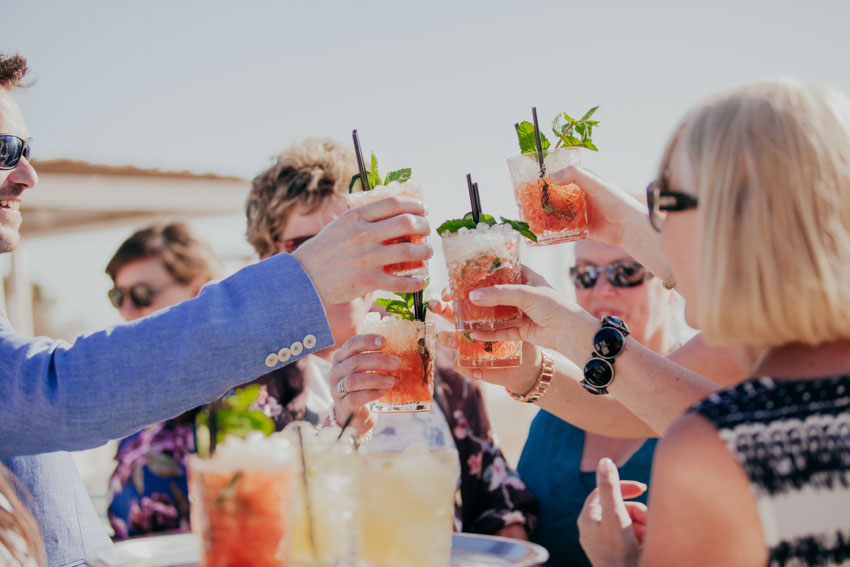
[{"x": 59, "y": 397}]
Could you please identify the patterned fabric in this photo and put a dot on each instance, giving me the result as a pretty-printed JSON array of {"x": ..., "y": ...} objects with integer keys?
[
  {"x": 491, "y": 495},
  {"x": 549, "y": 465},
  {"x": 792, "y": 438}
]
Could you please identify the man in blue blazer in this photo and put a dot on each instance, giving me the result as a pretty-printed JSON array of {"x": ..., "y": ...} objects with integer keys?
[{"x": 58, "y": 397}]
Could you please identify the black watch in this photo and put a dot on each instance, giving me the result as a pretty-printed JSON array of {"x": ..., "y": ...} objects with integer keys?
[{"x": 608, "y": 343}]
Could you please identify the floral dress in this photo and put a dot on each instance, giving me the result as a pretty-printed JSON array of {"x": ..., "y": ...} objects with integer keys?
[{"x": 149, "y": 484}]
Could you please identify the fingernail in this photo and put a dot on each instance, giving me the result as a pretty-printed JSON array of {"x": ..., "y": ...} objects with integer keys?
[
  {"x": 608, "y": 465},
  {"x": 453, "y": 342},
  {"x": 476, "y": 374},
  {"x": 426, "y": 207},
  {"x": 379, "y": 341},
  {"x": 388, "y": 383},
  {"x": 475, "y": 295}
]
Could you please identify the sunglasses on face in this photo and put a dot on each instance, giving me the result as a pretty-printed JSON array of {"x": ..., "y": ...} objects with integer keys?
[
  {"x": 660, "y": 201},
  {"x": 291, "y": 244},
  {"x": 140, "y": 295},
  {"x": 618, "y": 274},
  {"x": 11, "y": 150}
]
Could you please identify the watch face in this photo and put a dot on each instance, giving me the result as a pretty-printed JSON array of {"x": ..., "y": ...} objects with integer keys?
[
  {"x": 616, "y": 322},
  {"x": 608, "y": 342},
  {"x": 598, "y": 372}
]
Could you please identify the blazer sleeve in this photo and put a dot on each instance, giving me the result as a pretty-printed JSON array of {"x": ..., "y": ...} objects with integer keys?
[{"x": 108, "y": 384}]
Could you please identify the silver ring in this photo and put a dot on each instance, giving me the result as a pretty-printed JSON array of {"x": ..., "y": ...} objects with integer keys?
[{"x": 340, "y": 389}]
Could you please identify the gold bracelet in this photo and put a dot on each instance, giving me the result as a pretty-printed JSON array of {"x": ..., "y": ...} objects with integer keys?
[{"x": 547, "y": 370}]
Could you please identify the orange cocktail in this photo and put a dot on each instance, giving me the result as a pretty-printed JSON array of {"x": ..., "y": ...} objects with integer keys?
[
  {"x": 241, "y": 504},
  {"x": 413, "y": 342},
  {"x": 483, "y": 257},
  {"x": 554, "y": 212},
  {"x": 407, "y": 188}
]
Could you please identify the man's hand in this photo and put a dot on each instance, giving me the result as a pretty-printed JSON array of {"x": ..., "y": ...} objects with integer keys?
[
  {"x": 610, "y": 529},
  {"x": 347, "y": 258}
]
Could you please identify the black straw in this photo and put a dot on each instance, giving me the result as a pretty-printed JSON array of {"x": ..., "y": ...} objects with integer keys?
[
  {"x": 477, "y": 196},
  {"x": 360, "y": 164},
  {"x": 473, "y": 201},
  {"x": 538, "y": 142},
  {"x": 345, "y": 425},
  {"x": 212, "y": 423},
  {"x": 418, "y": 306},
  {"x": 516, "y": 126}
]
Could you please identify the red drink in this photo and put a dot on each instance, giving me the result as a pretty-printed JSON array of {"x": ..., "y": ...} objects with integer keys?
[
  {"x": 413, "y": 342},
  {"x": 555, "y": 213}
]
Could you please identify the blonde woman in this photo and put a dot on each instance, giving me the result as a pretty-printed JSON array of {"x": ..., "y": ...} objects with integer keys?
[
  {"x": 752, "y": 203},
  {"x": 20, "y": 542}
]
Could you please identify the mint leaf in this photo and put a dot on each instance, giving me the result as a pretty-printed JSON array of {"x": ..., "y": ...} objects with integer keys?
[
  {"x": 400, "y": 175},
  {"x": 453, "y": 225},
  {"x": 527, "y": 142},
  {"x": 242, "y": 398},
  {"x": 521, "y": 227},
  {"x": 574, "y": 132},
  {"x": 589, "y": 113}
]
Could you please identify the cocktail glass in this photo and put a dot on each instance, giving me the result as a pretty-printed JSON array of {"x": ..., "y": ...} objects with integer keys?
[
  {"x": 408, "y": 188},
  {"x": 406, "y": 507},
  {"x": 414, "y": 343},
  {"x": 323, "y": 497},
  {"x": 483, "y": 257},
  {"x": 241, "y": 495},
  {"x": 555, "y": 213},
  {"x": 487, "y": 354}
]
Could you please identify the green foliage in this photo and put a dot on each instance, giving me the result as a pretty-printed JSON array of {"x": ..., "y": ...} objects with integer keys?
[
  {"x": 453, "y": 225},
  {"x": 527, "y": 141},
  {"x": 235, "y": 415},
  {"x": 575, "y": 133},
  {"x": 404, "y": 306},
  {"x": 373, "y": 177}
]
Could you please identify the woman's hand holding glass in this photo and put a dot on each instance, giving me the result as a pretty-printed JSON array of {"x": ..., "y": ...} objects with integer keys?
[{"x": 355, "y": 382}]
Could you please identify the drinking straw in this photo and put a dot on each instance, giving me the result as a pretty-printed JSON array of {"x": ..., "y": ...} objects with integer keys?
[
  {"x": 345, "y": 425},
  {"x": 538, "y": 142},
  {"x": 516, "y": 126},
  {"x": 418, "y": 306},
  {"x": 212, "y": 423},
  {"x": 307, "y": 505},
  {"x": 360, "y": 165},
  {"x": 477, "y": 196},
  {"x": 473, "y": 202}
]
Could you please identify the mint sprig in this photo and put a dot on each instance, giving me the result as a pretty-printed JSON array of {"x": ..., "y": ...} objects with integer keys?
[
  {"x": 404, "y": 306},
  {"x": 569, "y": 132},
  {"x": 527, "y": 142},
  {"x": 373, "y": 176},
  {"x": 453, "y": 225},
  {"x": 237, "y": 416}
]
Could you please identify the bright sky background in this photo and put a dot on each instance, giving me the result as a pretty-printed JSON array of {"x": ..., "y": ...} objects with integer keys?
[{"x": 220, "y": 87}]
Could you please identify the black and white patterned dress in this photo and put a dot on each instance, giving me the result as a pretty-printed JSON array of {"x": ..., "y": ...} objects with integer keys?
[{"x": 792, "y": 438}]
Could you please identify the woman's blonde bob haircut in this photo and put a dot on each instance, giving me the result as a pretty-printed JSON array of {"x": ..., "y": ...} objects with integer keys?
[{"x": 771, "y": 167}]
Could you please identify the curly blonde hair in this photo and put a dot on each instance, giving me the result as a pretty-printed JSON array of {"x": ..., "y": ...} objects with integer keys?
[
  {"x": 305, "y": 174},
  {"x": 12, "y": 71},
  {"x": 19, "y": 533}
]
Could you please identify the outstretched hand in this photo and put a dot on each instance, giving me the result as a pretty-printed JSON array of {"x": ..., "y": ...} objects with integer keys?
[
  {"x": 347, "y": 258},
  {"x": 611, "y": 530}
]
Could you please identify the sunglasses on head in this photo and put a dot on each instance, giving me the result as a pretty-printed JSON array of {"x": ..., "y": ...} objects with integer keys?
[
  {"x": 11, "y": 150},
  {"x": 140, "y": 295},
  {"x": 660, "y": 201},
  {"x": 291, "y": 244},
  {"x": 618, "y": 274}
]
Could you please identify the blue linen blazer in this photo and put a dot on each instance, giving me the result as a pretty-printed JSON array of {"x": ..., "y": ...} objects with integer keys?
[{"x": 57, "y": 397}]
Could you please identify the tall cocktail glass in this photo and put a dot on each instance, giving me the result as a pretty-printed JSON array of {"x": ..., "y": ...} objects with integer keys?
[
  {"x": 483, "y": 257},
  {"x": 414, "y": 343},
  {"x": 406, "y": 507},
  {"x": 555, "y": 213},
  {"x": 407, "y": 188},
  {"x": 323, "y": 497},
  {"x": 242, "y": 495}
]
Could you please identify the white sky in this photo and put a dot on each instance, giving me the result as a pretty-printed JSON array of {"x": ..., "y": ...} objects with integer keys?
[{"x": 437, "y": 86}]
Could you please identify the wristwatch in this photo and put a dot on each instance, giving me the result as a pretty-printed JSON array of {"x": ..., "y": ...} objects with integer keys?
[{"x": 608, "y": 343}]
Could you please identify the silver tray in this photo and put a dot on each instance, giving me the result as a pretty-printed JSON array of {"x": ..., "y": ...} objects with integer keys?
[{"x": 468, "y": 550}]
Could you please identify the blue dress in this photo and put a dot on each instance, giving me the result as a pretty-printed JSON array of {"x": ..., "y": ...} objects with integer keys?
[{"x": 549, "y": 465}]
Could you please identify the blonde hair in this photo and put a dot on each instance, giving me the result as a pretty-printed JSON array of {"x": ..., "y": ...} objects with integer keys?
[
  {"x": 19, "y": 533},
  {"x": 771, "y": 163},
  {"x": 306, "y": 173}
]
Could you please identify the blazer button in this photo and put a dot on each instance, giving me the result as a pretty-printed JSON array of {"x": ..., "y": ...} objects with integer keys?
[
  {"x": 284, "y": 354},
  {"x": 271, "y": 360},
  {"x": 296, "y": 348},
  {"x": 309, "y": 341}
]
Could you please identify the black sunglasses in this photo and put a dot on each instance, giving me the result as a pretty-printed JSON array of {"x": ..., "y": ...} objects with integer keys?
[
  {"x": 618, "y": 274},
  {"x": 11, "y": 150},
  {"x": 660, "y": 201},
  {"x": 140, "y": 295},
  {"x": 291, "y": 244}
]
